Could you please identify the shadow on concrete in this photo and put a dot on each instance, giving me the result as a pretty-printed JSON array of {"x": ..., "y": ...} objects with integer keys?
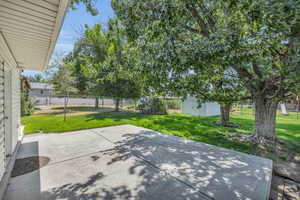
[
  {"x": 133, "y": 179},
  {"x": 213, "y": 172},
  {"x": 148, "y": 165},
  {"x": 35, "y": 177}
]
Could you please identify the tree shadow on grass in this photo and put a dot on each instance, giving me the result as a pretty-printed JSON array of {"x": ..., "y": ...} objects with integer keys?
[
  {"x": 196, "y": 128},
  {"x": 80, "y": 110},
  {"x": 118, "y": 116},
  {"x": 202, "y": 129}
]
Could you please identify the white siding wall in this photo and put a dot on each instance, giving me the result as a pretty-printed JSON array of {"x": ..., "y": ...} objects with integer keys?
[
  {"x": 9, "y": 106},
  {"x": 2, "y": 133},
  {"x": 212, "y": 109},
  {"x": 190, "y": 107},
  {"x": 15, "y": 115}
]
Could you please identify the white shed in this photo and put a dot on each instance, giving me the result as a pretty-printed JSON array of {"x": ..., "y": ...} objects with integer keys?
[
  {"x": 28, "y": 34},
  {"x": 190, "y": 107}
]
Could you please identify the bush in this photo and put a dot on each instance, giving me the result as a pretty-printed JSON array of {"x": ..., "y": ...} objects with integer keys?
[
  {"x": 27, "y": 106},
  {"x": 174, "y": 104},
  {"x": 152, "y": 106}
]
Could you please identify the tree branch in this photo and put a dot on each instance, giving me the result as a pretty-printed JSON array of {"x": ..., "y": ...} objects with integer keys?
[
  {"x": 204, "y": 29},
  {"x": 245, "y": 75},
  {"x": 193, "y": 30},
  {"x": 294, "y": 34},
  {"x": 256, "y": 69},
  {"x": 210, "y": 19}
]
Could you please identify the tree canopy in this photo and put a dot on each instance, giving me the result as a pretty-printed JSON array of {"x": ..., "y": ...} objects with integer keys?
[
  {"x": 100, "y": 65},
  {"x": 258, "y": 39}
]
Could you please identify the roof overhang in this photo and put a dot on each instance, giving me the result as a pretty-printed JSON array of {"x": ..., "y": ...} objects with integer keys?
[{"x": 30, "y": 28}]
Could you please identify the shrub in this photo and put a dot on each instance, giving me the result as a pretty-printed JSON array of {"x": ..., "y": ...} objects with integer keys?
[
  {"x": 152, "y": 105},
  {"x": 173, "y": 104},
  {"x": 27, "y": 106}
]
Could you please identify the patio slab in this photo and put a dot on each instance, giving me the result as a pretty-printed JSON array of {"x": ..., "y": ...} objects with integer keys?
[{"x": 128, "y": 162}]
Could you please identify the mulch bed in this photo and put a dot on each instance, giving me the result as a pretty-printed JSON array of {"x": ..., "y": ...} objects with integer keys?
[
  {"x": 284, "y": 189},
  {"x": 26, "y": 165}
]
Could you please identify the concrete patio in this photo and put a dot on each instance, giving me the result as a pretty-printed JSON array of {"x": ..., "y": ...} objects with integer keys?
[{"x": 128, "y": 162}]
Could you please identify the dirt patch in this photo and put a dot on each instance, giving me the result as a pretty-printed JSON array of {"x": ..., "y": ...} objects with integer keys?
[
  {"x": 278, "y": 150},
  {"x": 231, "y": 125},
  {"x": 26, "y": 165},
  {"x": 284, "y": 189}
]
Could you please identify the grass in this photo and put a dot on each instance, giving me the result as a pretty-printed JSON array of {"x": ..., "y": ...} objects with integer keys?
[
  {"x": 195, "y": 128},
  {"x": 287, "y": 126}
]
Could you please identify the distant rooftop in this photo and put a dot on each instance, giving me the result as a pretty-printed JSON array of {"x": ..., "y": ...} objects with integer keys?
[{"x": 44, "y": 86}]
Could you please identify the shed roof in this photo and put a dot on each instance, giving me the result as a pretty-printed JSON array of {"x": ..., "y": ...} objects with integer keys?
[{"x": 42, "y": 86}]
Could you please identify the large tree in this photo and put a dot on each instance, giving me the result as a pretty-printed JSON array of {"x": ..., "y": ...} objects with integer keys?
[
  {"x": 99, "y": 56},
  {"x": 88, "y": 53},
  {"x": 258, "y": 39},
  {"x": 118, "y": 79}
]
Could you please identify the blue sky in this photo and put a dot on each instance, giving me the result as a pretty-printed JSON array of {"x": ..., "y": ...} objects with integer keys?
[{"x": 73, "y": 25}]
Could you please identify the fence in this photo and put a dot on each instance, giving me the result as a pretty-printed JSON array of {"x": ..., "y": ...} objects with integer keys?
[
  {"x": 173, "y": 105},
  {"x": 83, "y": 100}
]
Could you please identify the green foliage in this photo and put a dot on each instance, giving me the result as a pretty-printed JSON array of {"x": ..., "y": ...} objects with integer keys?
[
  {"x": 257, "y": 39},
  {"x": 152, "y": 105},
  {"x": 27, "y": 107},
  {"x": 37, "y": 78},
  {"x": 88, "y": 54},
  {"x": 99, "y": 57},
  {"x": 89, "y": 5},
  {"x": 63, "y": 80},
  {"x": 197, "y": 42},
  {"x": 172, "y": 103}
]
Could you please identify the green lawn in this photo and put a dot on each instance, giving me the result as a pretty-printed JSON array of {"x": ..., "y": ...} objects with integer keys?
[{"x": 191, "y": 127}]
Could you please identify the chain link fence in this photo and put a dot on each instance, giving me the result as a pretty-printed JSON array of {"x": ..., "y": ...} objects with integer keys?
[{"x": 107, "y": 104}]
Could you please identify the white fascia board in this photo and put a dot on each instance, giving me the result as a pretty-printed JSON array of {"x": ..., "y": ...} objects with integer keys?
[{"x": 62, "y": 11}]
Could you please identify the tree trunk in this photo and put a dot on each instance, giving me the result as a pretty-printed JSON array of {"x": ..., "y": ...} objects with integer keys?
[
  {"x": 225, "y": 113},
  {"x": 65, "y": 108},
  {"x": 97, "y": 102},
  {"x": 117, "y": 104},
  {"x": 265, "y": 118}
]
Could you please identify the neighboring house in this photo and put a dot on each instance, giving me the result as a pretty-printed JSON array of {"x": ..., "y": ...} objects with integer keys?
[
  {"x": 41, "y": 93},
  {"x": 28, "y": 34},
  {"x": 40, "y": 89},
  {"x": 190, "y": 107}
]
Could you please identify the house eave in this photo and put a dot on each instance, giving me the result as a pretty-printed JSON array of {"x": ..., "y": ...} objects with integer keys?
[{"x": 29, "y": 30}]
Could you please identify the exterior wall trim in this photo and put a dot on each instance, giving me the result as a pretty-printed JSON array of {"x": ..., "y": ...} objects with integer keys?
[
  {"x": 5, "y": 179},
  {"x": 6, "y": 51}
]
